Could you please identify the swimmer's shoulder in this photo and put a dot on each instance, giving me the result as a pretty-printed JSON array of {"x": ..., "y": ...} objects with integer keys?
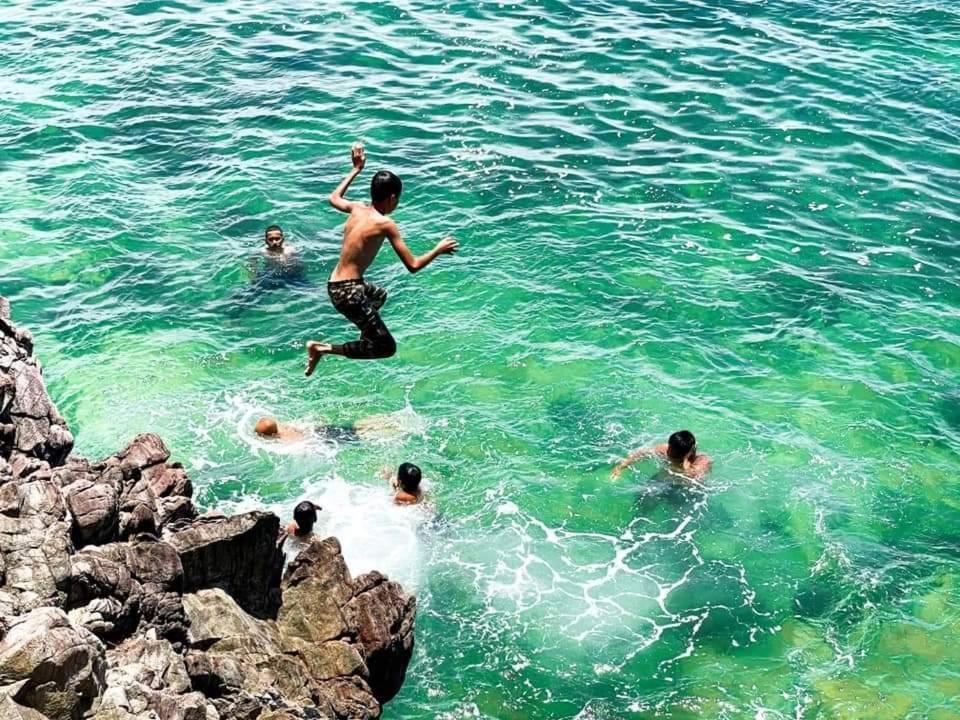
[{"x": 405, "y": 498}]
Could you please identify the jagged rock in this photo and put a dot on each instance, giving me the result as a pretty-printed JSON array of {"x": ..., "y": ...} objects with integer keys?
[
  {"x": 50, "y": 665},
  {"x": 238, "y": 554},
  {"x": 9, "y": 710},
  {"x": 143, "y": 452},
  {"x": 174, "y": 509},
  {"x": 95, "y": 509},
  {"x": 38, "y": 429},
  {"x": 382, "y": 616},
  {"x": 36, "y": 557},
  {"x": 336, "y": 649},
  {"x": 138, "y": 510},
  {"x": 241, "y": 651},
  {"x": 168, "y": 480},
  {"x": 151, "y": 663},
  {"x": 316, "y": 585},
  {"x": 103, "y": 597},
  {"x": 321, "y": 603},
  {"x": 144, "y": 581}
]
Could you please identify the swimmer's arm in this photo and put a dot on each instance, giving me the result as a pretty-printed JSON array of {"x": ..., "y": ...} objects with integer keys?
[
  {"x": 635, "y": 456},
  {"x": 447, "y": 246},
  {"x": 703, "y": 465}
]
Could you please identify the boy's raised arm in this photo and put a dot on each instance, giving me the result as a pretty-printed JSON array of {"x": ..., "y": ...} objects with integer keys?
[
  {"x": 337, "y": 199},
  {"x": 447, "y": 246}
]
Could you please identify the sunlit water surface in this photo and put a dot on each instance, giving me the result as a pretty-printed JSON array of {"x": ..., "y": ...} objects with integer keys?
[{"x": 737, "y": 217}]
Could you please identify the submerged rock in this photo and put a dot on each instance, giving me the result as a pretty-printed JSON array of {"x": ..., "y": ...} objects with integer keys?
[{"x": 95, "y": 559}]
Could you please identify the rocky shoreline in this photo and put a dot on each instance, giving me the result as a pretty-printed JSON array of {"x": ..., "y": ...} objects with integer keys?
[{"x": 118, "y": 600}]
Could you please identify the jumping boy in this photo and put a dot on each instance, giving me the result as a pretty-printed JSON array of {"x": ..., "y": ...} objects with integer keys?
[{"x": 363, "y": 235}]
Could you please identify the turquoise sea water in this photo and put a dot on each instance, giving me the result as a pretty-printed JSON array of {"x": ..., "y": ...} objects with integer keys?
[{"x": 737, "y": 217}]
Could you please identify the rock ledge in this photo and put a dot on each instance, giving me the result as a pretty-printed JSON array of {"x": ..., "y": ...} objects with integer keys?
[{"x": 119, "y": 601}]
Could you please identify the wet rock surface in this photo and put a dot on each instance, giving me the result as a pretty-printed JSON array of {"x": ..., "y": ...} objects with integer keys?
[{"x": 118, "y": 601}]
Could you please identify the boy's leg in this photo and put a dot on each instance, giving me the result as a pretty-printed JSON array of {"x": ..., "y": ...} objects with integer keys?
[
  {"x": 376, "y": 295},
  {"x": 355, "y": 301}
]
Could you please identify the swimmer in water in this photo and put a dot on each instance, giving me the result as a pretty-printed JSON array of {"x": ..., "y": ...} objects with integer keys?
[
  {"x": 275, "y": 245},
  {"x": 680, "y": 453},
  {"x": 299, "y": 533},
  {"x": 407, "y": 485},
  {"x": 269, "y": 428},
  {"x": 363, "y": 235}
]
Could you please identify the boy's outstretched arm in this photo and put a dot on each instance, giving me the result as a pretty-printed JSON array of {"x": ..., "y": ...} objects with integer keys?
[
  {"x": 447, "y": 246},
  {"x": 632, "y": 458},
  {"x": 337, "y": 199}
]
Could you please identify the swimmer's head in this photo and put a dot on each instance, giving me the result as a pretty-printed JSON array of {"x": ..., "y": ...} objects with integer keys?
[
  {"x": 273, "y": 237},
  {"x": 385, "y": 189},
  {"x": 408, "y": 478},
  {"x": 305, "y": 515},
  {"x": 681, "y": 446},
  {"x": 267, "y": 427}
]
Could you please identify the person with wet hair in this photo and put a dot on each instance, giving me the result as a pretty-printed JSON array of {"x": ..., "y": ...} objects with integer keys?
[
  {"x": 353, "y": 297},
  {"x": 407, "y": 485},
  {"x": 299, "y": 533},
  {"x": 680, "y": 454},
  {"x": 268, "y": 428}
]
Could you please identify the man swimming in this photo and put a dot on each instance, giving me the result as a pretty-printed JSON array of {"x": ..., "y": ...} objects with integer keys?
[
  {"x": 363, "y": 235},
  {"x": 680, "y": 452},
  {"x": 407, "y": 485},
  {"x": 268, "y": 427}
]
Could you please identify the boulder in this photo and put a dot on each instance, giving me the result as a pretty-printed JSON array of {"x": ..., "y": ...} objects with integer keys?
[
  {"x": 51, "y": 665},
  {"x": 321, "y": 604},
  {"x": 381, "y": 615},
  {"x": 169, "y": 480},
  {"x": 148, "y": 679},
  {"x": 38, "y": 429},
  {"x": 237, "y": 554},
  {"x": 36, "y": 559},
  {"x": 9, "y": 710},
  {"x": 144, "y": 581},
  {"x": 94, "y": 502},
  {"x": 143, "y": 452}
]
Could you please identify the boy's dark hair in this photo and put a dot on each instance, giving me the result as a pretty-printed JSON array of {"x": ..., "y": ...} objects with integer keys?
[
  {"x": 305, "y": 515},
  {"x": 383, "y": 185},
  {"x": 408, "y": 477},
  {"x": 680, "y": 444},
  {"x": 271, "y": 229}
]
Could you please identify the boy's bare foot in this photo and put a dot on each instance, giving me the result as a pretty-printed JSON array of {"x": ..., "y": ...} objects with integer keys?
[{"x": 315, "y": 351}]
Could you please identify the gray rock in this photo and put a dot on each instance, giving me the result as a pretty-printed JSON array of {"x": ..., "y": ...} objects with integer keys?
[
  {"x": 9, "y": 710},
  {"x": 168, "y": 480},
  {"x": 237, "y": 554},
  {"x": 95, "y": 510},
  {"x": 36, "y": 557},
  {"x": 50, "y": 665},
  {"x": 381, "y": 615},
  {"x": 144, "y": 577},
  {"x": 143, "y": 452}
]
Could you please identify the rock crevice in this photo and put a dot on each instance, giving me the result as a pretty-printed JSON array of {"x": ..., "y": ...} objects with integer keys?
[{"x": 119, "y": 601}]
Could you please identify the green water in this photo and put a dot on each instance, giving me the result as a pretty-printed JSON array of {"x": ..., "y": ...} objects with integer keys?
[{"x": 737, "y": 217}]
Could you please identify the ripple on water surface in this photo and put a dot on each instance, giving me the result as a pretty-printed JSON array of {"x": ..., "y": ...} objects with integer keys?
[{"x": 735, "y": 217}]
